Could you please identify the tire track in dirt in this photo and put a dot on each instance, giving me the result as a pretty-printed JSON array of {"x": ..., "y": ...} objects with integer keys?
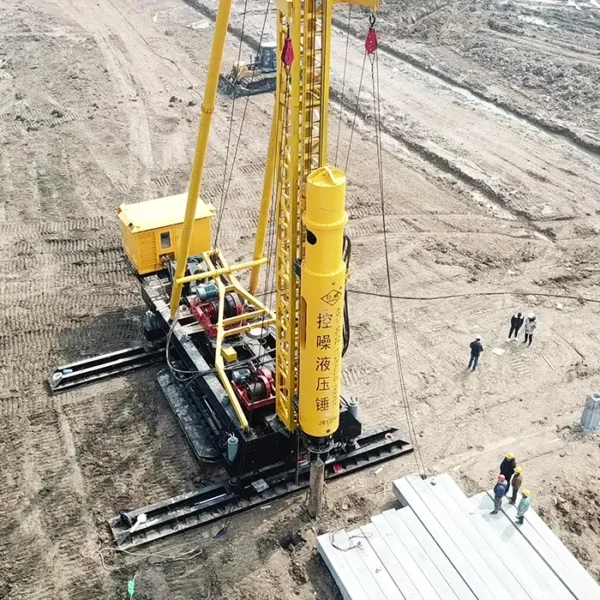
[
  {"x": 63, "y": 506},
  {"x": 112, "y": 441},
  {"x": 552, "y": 128},
  {"x": 50, "y": 501},
  {"x": 551, "y": 47},
  {"x": 25, "y": 550},
  {"x": 366, "y": 221},
  {"x": 58, "y": 299},
  {"x": 129, "y": 64},
  {"x": 46, "y": 227},
  {"x": 25, "y": 118},
  {"x": 50, "y": 338},
  {"x": 444, "y": 164}
]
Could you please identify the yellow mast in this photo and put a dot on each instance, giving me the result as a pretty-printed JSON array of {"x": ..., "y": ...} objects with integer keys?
[
  {"x": 308, "y": 365},
  {"x": 302, "y": 100},
  {"x": 207, "y": 109}
]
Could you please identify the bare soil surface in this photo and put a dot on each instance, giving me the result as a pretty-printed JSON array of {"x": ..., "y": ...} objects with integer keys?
[
  {"x": 488, "y": 212},
  {"x": 538, "y": 58}
]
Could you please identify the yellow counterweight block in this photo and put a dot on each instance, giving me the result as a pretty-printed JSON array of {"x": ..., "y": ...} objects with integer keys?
[{"x": 323, "y": 279}]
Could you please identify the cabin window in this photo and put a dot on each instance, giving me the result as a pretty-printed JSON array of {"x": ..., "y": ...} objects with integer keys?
[{"x": 165, "y": 240}]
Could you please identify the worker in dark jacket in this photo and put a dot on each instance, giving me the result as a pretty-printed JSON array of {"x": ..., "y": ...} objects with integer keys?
[
  {"x": 499, "y": 491},
  {"x": 516, "y": 322},
  {"x": 516, "y": 482},
  {"x": 507, "y": 468},
  {"x": 476, "y": 349}
]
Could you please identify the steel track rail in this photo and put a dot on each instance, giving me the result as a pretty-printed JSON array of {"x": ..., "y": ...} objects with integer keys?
[
  {"x": 87, "y": 371},
  {"x": 225, "y": 499}
]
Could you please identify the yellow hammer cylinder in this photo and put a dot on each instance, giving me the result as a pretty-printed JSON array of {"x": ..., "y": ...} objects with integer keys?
[{"x": 323, "y": 278}]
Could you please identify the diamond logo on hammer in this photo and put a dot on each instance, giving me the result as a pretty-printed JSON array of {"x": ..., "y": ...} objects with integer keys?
[{"x": 332, "y": 297}]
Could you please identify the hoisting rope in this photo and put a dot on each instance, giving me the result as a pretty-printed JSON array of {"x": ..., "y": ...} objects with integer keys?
[
  {"x": 362, "y": 72},
  {"x": 226, "y": 185},
  {"x": 230, "y": 131},
  {"x": 371, "y": 51},
  {"x": 337, "y": 145},
  {"x": 287, "y": 57}
]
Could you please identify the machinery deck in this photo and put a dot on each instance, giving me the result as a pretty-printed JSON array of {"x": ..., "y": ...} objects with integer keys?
[
  {"x": 269, "y": 470},
  {"x": 219, "y": 500}
]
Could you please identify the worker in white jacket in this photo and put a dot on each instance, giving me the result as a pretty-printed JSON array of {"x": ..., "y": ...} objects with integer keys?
[{"x": 529, "y": 327}]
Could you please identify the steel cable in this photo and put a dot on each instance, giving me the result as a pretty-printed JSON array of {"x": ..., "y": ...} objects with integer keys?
[
  {"x": 225, "y": 189},
  {"x": 346, "y": 254},
  {"x": 230, "y": 131},
  {"x": 373, "y": 59},
  {"x": 337, "y": 145},
  {"x": 362, "y": 72}
]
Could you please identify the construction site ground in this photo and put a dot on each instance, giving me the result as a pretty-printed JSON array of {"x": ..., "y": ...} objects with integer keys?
[{"x": 492, "y": 190}]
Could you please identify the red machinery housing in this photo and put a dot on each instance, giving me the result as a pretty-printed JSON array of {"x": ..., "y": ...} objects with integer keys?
[
  {"x": 254, "y": 387},
  {"x": 206, "y": 311}
]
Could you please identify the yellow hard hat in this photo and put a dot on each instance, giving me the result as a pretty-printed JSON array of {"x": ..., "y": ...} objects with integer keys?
[
  {"x": 510, "y": 456},
  {"x": 526, "y": 493},
  {"x": 518, "y": 470}
]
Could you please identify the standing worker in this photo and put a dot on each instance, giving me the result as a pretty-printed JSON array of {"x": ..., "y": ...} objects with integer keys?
[
  {"x": 517, "y": 482},
  {"x": 476, "y": 349},
  {"x": 530, "y": 325},
  {"x": 507, "y": 468},
  {"x": 516, "y": 322},
  {"x": 499, "y": 491},
  {"x": 523, "y": 506}
]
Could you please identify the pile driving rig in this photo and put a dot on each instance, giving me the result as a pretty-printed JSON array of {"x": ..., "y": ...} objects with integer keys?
[{"x": 255, "y": 389}]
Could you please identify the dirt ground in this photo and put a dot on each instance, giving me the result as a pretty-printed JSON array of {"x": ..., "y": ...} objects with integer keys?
[
  {"x": 537, "y": 58},
  {"x": 492, "y": 178}
]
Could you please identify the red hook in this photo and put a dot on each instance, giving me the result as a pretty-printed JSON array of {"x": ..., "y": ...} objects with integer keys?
[
  {"x": 287, "y": 54},
  {"x": 371, "y": 41}
]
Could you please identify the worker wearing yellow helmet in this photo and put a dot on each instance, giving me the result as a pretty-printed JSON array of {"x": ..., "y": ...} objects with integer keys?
[
  {"x": 517, "y": 482},
  {"x": 507, "y": 468},
  {"x": 523, "y": 506}
]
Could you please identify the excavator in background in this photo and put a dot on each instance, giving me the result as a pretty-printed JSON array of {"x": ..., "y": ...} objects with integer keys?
[
  {"x": 255, "y": 388},
  {"x": 257, "y": 76}
]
